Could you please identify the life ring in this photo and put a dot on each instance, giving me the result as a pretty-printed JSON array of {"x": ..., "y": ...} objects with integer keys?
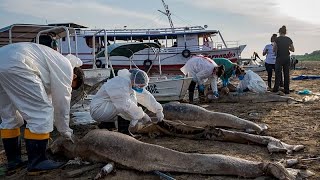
[
  {"x": 98, "y": 63},
  {"x": 186, "y": 53},
  {"x": 147, "y": 64}
]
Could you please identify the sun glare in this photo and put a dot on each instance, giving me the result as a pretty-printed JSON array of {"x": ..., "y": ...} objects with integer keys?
[{"x": 306, "y": 10}]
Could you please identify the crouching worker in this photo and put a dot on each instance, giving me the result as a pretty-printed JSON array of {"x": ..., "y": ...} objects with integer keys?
[
  {"x": 119, "y": 97},
  {"x": 35, "y": 85},
  {"x": 250, "y": 81},
  {"x": 230, "y": 69},
  {"x": 201, "y": 69}
]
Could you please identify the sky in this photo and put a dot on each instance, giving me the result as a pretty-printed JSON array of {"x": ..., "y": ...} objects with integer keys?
[{"x": 250, "y": 22}]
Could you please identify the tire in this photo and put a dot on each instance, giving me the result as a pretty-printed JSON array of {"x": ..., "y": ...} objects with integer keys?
[
  {"x": 146, "y": 64},
  {"x": 186, "y": 53},
  {"x": 98, "y": 63}
]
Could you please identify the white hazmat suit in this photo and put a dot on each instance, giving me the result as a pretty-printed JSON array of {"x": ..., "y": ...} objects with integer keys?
[
  {"x": 116, "y": 97},
  {"x": 200, "y": 68},
  {"x": 253, "y": 82},
  {"x": 35, "y": 84}
]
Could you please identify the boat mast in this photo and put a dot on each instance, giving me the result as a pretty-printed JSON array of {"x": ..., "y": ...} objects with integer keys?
[{"x": 168, "y": 14}]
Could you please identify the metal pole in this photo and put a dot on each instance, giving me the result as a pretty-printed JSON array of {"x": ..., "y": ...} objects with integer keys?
[{"x": 222, "y": 39}]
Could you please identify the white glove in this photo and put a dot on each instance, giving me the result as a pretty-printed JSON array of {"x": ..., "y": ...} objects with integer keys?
[
  {"x": 145, "y": 119},
  {"x": 68, "y": 136},
  {"x": 160, "y": 116},
  {"x": 133, "y": 122}
]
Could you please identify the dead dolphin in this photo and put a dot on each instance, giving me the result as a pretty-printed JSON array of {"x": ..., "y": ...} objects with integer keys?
[
  {"x": 252, "y": 97},
  {"x": 189, "y": 112},
  {"x": 178, "y": 129},
  {"x": 105, "y": 146}
]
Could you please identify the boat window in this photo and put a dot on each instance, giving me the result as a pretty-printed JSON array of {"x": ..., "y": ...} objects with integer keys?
[{"x": 89, "y": 42}]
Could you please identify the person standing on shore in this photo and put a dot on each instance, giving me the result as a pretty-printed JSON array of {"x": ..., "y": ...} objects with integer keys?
[
  {"x": 282, "y": 47},
  {"x": 271, "y": 60}
]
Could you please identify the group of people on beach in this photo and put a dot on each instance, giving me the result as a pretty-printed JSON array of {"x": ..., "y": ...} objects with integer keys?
[
  {"x": 278, "y": 59},
  {"x": 36, "y": 83}
]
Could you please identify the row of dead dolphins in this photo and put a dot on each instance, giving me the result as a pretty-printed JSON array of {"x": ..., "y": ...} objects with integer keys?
[{"x": 107, "y": 146}]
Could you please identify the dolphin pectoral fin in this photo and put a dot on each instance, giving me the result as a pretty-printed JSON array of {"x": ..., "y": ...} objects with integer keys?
[
  {"x": 279, "y": 171},
  {"x": 300, "y": 174},
  {"x": 278, "y": 146},
  {"x": 263, "y": 128}
]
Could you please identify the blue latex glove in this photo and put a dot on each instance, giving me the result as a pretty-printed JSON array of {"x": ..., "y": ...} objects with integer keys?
[
  {"x": 216, "y": 94},
  {"x": 225, "y": 82},
  {"x": 201, "y": 88}
]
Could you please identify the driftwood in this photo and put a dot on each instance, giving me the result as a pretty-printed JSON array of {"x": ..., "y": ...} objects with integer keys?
[{"x": 106, "y": 146}]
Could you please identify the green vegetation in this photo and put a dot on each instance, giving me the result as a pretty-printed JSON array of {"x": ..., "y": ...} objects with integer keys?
[{"x": 314, "y": 56}]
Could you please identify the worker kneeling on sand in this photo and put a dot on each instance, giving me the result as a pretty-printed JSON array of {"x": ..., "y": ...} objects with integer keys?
[
  {"x": 250, "y": 81},
  {"x": 35, "y": 86},
  {"x": 119, "y": 97}
]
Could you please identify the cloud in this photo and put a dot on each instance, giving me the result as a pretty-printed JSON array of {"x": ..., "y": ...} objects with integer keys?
[
  {"x": 269, "y": 12},
  {"x": 91, "y": 13}
]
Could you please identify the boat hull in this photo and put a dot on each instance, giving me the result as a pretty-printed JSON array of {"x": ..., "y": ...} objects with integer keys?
[{"x": 173, "y": 89}]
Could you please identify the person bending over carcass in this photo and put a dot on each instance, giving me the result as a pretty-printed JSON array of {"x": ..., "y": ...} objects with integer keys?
[
  {"x": 119, "y": 97},
  {"x": 35, "y": 86},
  {"x": 201, "y": 69},
  {"x": 230, "y": 70}
]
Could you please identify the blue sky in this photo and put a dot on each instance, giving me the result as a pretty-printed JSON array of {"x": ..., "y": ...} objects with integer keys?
[{"x": 250, "y": 22}]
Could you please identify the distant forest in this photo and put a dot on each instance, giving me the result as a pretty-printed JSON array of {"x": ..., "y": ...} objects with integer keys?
[{"x": 314, "y": 56}]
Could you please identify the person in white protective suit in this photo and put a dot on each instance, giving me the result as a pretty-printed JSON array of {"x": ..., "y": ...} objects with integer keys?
[
  {"x": 35, "y": 86},
  {"x": 201, "y": 69},
  {"x": 250, "y": 81},
  {"x": 119, "y": 97}
]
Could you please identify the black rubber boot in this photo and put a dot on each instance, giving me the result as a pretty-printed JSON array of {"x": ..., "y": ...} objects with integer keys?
[
  {"x": 37, "y": 160},
  {"x": 12, "y": 147},
  {"x": 191, "y": 97},
  {"x": 201, "y": 97},
  {"x": 123, "y": 125},
  {"x": 107, "y": 125}
]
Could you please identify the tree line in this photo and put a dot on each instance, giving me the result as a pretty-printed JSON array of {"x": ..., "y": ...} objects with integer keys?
[{"x": 314, "y": 56}]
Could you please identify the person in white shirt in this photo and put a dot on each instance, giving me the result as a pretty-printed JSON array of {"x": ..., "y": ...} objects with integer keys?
[
  {"x": 120, "y": 96},
  {"x": 35, "y": 86},
  {"x": 250, "y": 81},
  {"x": 201, "y": 69},
  {"x": 270, "y": 60}
]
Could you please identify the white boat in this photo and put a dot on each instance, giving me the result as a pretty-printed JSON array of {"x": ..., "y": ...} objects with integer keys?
[
  {"x": 178, "y": 44},
  {"x": 256, "y": 65},
  {"x": 189, "y": 42},
  {"x": 162, "y": 87}
]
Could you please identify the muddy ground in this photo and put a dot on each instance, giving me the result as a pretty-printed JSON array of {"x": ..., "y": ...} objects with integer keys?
[{"x": 296, "y": 123}]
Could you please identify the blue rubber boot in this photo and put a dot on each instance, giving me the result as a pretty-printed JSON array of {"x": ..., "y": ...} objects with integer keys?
[{"x": 37, "y": 160}]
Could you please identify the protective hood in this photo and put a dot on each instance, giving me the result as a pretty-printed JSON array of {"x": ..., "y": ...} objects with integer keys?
[{"x": 74, "y": 60}]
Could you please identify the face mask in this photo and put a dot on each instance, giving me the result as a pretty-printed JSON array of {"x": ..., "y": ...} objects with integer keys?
[
  {"x": 241, "y": 77},
  {"x": 137, "y": 89}
]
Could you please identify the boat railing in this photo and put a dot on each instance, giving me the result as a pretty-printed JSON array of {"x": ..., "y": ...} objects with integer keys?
[
  {"x": 200, "y": 48},
  {"x": 230, "y": 44},
  {"x": 148, "y": 31}
]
